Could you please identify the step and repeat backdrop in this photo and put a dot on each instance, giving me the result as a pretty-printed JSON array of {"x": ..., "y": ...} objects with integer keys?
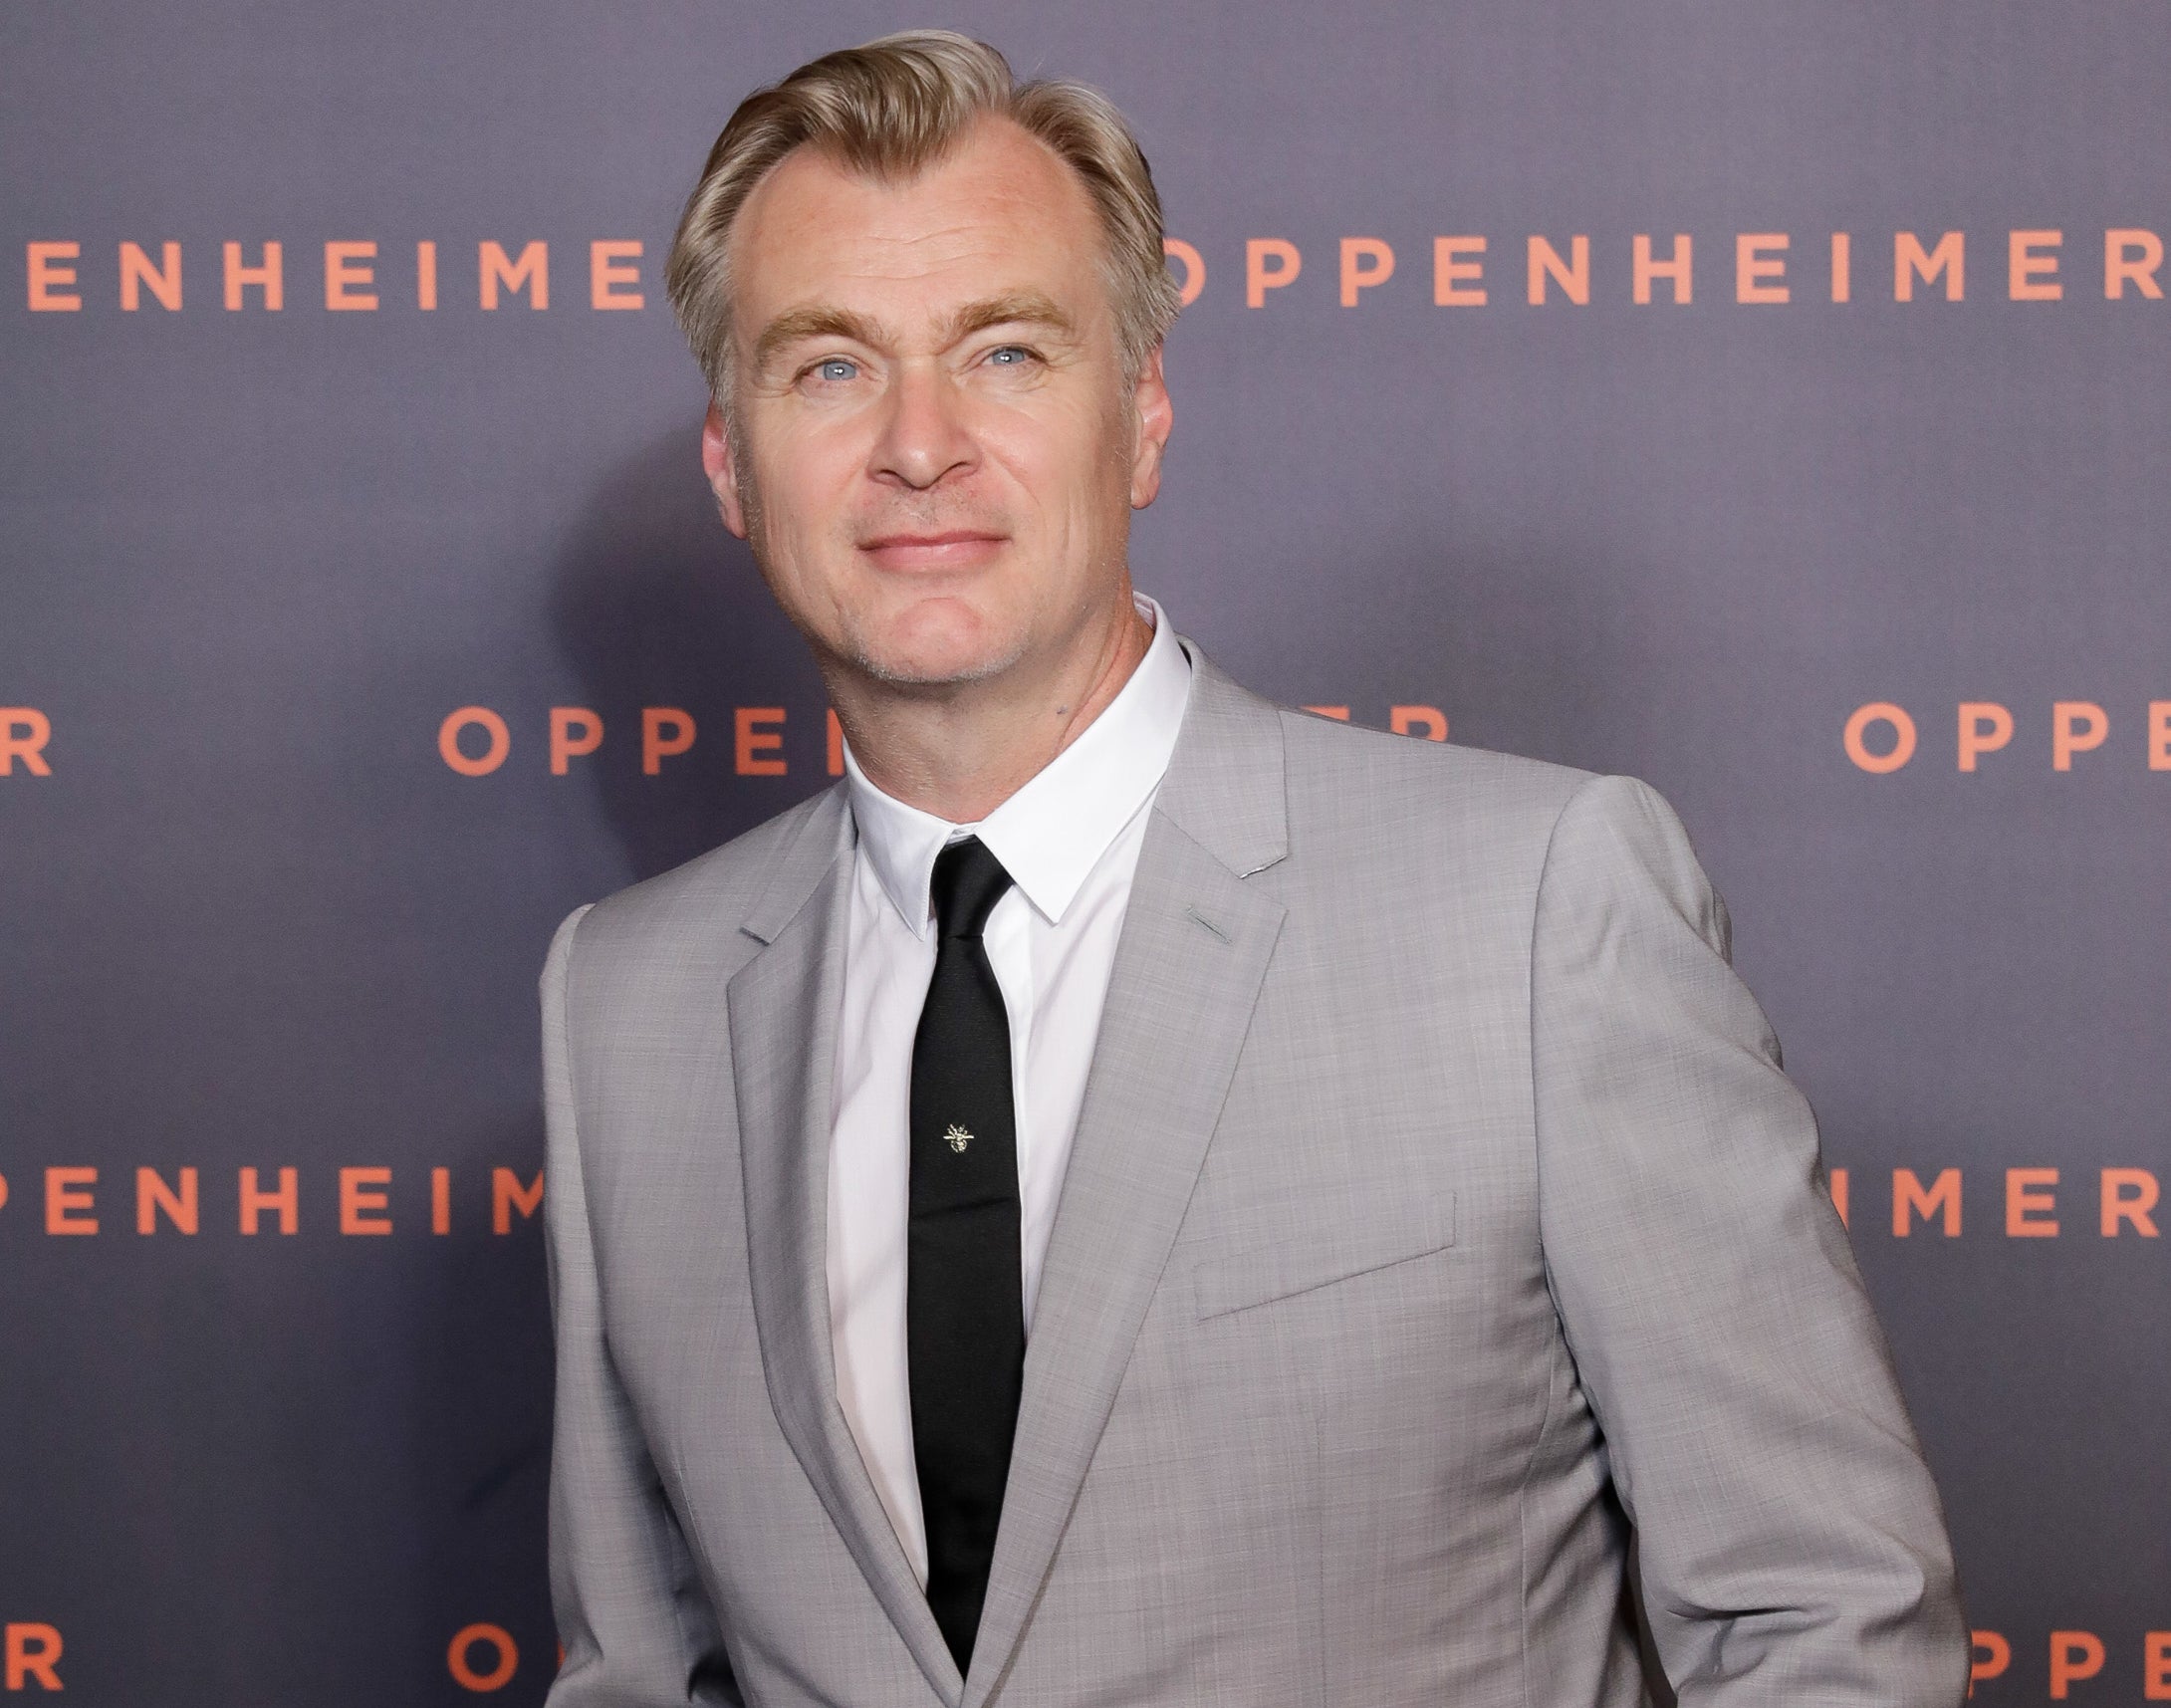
[{"x": 1766, "y": 400}]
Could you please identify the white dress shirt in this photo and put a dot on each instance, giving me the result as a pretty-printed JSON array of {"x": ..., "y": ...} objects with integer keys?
[{"x": 1069, "y": 839}]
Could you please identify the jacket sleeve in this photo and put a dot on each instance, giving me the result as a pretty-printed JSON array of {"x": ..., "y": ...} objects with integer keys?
[
  {"x": 1791, "y": 1544},
  {"x": 632, "y": 1617}
]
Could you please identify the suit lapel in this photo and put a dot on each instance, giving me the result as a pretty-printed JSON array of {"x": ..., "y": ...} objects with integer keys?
[
  {"x": 1194, "y": 951},
  {"x": 784, "y": 1007}
]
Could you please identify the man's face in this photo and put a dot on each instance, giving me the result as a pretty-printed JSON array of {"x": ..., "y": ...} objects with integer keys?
[{"x": 934, "y": 453}]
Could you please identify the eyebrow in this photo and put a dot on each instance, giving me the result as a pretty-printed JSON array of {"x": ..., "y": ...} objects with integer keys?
[
  {"x": 795, "y": 324},
  {"x": 1030, "y": 306},
  {"x": 818, "y": 321}
]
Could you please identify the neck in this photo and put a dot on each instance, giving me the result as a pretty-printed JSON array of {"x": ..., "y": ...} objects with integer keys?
[{"x": 959, "y": 750}]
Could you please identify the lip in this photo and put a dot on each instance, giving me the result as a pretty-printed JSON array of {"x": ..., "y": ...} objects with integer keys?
[{"x": 954, "y": 547}]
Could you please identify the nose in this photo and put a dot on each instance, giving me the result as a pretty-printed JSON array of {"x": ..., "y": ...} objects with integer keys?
[{"x": 925, "y": 437}]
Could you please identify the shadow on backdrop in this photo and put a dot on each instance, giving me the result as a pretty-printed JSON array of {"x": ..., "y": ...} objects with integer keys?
[{"x": 654, "y": 603}]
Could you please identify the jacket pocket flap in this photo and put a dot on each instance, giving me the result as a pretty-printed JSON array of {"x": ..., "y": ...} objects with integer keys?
[{"x": 1352, "y": 1243}]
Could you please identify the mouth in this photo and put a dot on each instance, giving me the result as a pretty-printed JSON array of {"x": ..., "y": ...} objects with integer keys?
[{"x": 948, "y": 548}]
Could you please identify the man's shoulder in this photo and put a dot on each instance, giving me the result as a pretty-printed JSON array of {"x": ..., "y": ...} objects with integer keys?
[
  {"x": 708, "y": 899},
  {"x": 1411, "y": 815},
  {"x": 1388, "y": 789}
]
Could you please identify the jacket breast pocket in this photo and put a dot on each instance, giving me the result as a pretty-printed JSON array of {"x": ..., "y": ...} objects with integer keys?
[{"x": 1342, "y": 1243}]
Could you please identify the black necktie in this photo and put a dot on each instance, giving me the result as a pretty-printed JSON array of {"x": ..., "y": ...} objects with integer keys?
[{"x": 964, "y": 1314}]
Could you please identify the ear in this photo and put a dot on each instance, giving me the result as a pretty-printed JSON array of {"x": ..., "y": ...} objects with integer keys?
[
  {"x": 1156, "y": 417},
  {"x": 717, "y": 464}
]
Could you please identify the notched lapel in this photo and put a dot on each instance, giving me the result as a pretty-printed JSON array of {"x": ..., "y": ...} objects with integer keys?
[
  {"x": 784, "y": 1007},
  {"x": 1194, "y": 952}
]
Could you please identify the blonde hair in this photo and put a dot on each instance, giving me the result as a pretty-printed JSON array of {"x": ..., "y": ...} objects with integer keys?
[{"x": 890, "y": 108}]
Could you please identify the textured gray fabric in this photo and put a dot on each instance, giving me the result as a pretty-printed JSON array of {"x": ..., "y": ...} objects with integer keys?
[{"x": 1437, "y": 1210}]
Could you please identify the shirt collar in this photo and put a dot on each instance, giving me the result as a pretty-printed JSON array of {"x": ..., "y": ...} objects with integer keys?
[{"x": 1051, "y": 833}]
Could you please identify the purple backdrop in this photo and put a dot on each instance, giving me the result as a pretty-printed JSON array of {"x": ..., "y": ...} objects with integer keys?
[{"x": 254, "y": 559}]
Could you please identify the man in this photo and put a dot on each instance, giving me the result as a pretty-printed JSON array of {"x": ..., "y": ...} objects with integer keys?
[{"x": 1137, "y": 1195}]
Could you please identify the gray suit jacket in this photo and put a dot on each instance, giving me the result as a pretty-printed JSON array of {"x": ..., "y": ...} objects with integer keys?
[{"x": 1438, "y": 1213}]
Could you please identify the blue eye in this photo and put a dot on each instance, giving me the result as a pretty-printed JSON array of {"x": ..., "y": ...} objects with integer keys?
[
  {"x": 837, "y": 367},
  {"x": 1010, "y": 355}
]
